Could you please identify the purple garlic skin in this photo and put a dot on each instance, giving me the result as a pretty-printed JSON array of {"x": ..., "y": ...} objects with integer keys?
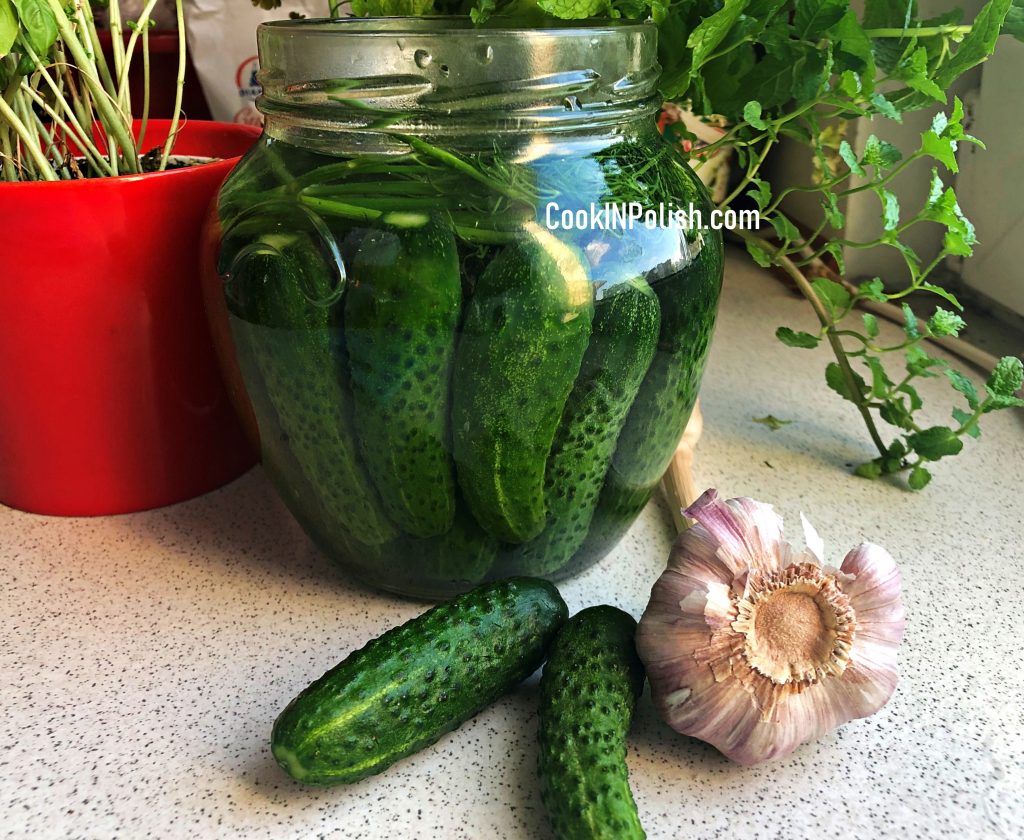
[{"x": 755, "y": 647}]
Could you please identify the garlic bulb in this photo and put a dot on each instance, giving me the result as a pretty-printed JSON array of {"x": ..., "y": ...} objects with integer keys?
[{"x": 755, "y": 647}]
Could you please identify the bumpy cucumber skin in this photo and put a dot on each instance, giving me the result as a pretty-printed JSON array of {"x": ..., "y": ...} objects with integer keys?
[
  {"x": 401, "y": 313},
  {"x": 408, "y": 687},
  {"x": 588, "y": 694},
  {"x": 293, "y": 352},
  {"x": 523, "y": 339},
  {"x": 622, "y": 344}
]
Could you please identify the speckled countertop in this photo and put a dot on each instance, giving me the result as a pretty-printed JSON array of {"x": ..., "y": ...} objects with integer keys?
[{"x": 143, "y": 658}]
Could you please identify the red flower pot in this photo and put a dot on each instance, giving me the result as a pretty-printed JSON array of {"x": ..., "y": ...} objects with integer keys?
[{"x": 110, "y": 396}]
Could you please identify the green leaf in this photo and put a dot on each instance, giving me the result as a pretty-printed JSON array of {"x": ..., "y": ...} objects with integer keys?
[
  {"x": 873, "y": 289},
  {"x": 880, "y": 382},
  {"x": 832, "y": 294},
  {"x": 1006, "y": 378},
  {"x": 869, "y": 469},
  {"x": 920, "y": 363},
  {"x": 1014, "y": 23},
  {"x": 572, "y": 9},
  {"x": 772, "y": 422},
  {"x": 792, "y": 338},
  {"x": 761, "y": 193},
  {"x": 870, "y": 325},
  {"x": 944, "y": 322},
  {"x": 814, "y": 17},
  {"x": 855, "y": 60},
  {"x": 784, "y": 228},
  {"x": 915, "y": 398},
  {"x": 761, "y": 255},
  {"x": 977, "y": 45},
  {"x": 880, "y": 153},
  {"x": 711, "y": 31},
  {"x": 934, "y": 443},
  {"x": 885, "y": 107},
  {"x": 835, "y": 250},
  {"x": 914, "y": 71},
  {"x": 964, "y": 417},
  {"x": 941, "y": 148},
  {"x": 8, "y": 27},
  {"x": 752, "y": 114},
  {"x": 890, "y": 209},
  {"x": 850, "y": 158},
  {"x": 830, "y": 204},
  {"x": 837, "y": 382},
  {"x": 910, "y": 322},
  {"x": 964, "y": 385},
  {"x": 894, "y": 411},
  {"x": 793, "y": 74},
  {"x": 38, "y": 23},
  {"x": 919, "y": 478},
  {"x": 388, "y": 8},
  {"x": 996, "y": 401}
]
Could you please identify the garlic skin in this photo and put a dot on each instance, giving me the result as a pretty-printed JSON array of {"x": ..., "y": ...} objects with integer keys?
[{"x": 755, "y": 647}]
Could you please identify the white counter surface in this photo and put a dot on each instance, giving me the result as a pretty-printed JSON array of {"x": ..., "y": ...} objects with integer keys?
[{"x": 144, "y": 658}]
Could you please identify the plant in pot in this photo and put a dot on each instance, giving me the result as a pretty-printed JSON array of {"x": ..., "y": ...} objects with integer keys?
[{"x": 112, "y": 400}]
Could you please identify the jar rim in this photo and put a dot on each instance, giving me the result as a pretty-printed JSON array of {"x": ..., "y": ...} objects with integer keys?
[{"x": 457, "y": 24}]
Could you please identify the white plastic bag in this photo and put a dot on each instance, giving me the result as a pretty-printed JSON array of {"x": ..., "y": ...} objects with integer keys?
[{"x": 222, "y": 44}]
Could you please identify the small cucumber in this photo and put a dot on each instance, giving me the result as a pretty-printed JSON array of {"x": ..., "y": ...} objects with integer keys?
[
  {"x": 588, "y": 693},
  {"x": 410, "y": 686},
  {"x": 625, "y": 331},
  {"x": 525, "y": 333},
  {"x": 289, "y": 291},
  {"x": 401, "y": 312}
]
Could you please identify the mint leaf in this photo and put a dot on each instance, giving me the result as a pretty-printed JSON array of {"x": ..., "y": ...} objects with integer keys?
[
  {"x": 944, "y": 322},
  {"x": 964, "y": 386},
  {"x": 833, "y": 295},
  {"x": 870, "y": 325},
  {"x": 761, "y": 193},
  {"x": 977, "y": 45},
  {"x": 1014, "y": 22},
  {"x": 711, "y": 31},
  {"x": 934, "y": 443},
  {"x": 915, "y": 398},
  {"x": 919, "y": 478},
  {"x": 762, "y": 256},
  {"x": 850, "y": 158},
  {"x": 814, "y": 17},
  {"x": 880, "y": 382},
  {"x": 996, "y": 401},
  {"x": 880, "y": 153},
  {"x": 894, "y": 412},
  {"x": 830, "y": 204},
  {"x": 920, "y": 363},
  {"x": 910, "y": 322},
  {"x": 792, "y": 338},
  {"x": 941, "y": 148},
  {"x": 772, "y": 422},
  {"x": 837, "y": 382},
  {"x": 873, "y": 289},
  {"x": 785, "y": 229},
  {"x": 890, "y": 209},
  {"x": 885, "y": 107},
  {"x": 869, "y": 469},
  {"x": 963, "y": 417},
  {"x": 752, "y": 114},
  {"x": 1006, "y": 378}
]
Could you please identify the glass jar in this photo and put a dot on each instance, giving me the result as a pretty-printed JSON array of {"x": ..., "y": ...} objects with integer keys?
[{"x": 465, "y": 292}]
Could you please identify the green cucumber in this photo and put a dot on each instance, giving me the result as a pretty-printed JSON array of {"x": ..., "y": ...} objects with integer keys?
[
  {"x": 622, "y": 344},
  {"x": 523, "y": 339},
  {"x": 289, "y": 292},
  {"x": 408, "y": 687},
  {"x": 588, "y": 694},
  {"x": 401, "y": 312},
  {"x": 689, "y": 300}
]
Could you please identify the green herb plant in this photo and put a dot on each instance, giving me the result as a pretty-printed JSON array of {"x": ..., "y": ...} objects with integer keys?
[
  {"x": 801, "y": 70},
  {"x": 65, "y": 111}
]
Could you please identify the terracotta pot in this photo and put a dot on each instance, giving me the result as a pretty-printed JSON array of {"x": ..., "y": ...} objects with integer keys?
[{"x": 111, "y": 400}]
